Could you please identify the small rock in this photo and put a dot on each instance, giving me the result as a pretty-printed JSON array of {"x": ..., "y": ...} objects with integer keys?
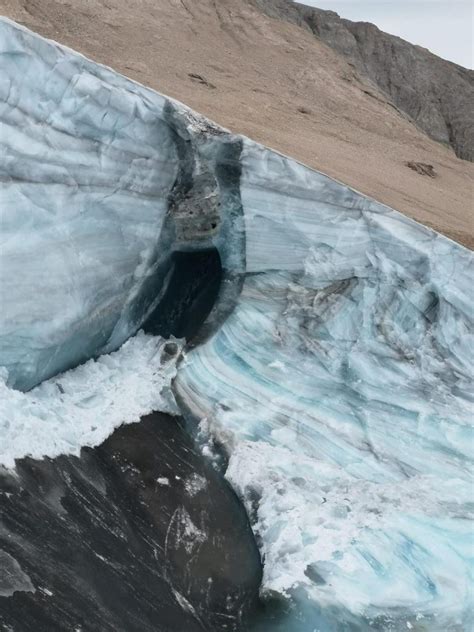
[
  {"x": 422, "y": 168},
  {"x": 202, "y": 80}
]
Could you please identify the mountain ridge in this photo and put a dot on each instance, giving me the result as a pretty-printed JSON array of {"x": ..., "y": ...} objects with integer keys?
[{"x": 437, "y": 94}]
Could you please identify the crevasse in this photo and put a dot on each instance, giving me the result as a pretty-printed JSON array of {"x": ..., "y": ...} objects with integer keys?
[{"x": 334, "y": 362}]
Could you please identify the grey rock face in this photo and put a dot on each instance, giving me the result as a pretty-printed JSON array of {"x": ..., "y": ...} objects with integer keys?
[
  {"x": 137, "y": 535},
  {"x": 436, "y": 94}
]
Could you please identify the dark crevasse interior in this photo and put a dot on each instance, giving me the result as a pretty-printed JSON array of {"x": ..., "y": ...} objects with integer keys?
[{"x": 194, "y": 281}]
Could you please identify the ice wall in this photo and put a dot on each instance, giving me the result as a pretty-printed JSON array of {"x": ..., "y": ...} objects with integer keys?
[{"x": 101, "y": 180}]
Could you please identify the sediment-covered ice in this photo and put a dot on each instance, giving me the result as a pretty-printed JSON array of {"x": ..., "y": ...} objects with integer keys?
[{"x": 336, "y": 365}]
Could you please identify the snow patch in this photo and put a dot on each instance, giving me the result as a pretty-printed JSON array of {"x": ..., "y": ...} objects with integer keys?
[
  {"x": 319, "y": 527},
  {"x": 195, "y": 484},
  {"x": 83, "y": 406}
]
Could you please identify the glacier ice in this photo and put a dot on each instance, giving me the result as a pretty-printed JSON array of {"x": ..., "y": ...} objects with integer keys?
[
  {"x": 100, "y": 185},
  {"x": 86, "y": 165},
  {"x": 335, "y": 366},
  {"x": 342, "y": 386}
]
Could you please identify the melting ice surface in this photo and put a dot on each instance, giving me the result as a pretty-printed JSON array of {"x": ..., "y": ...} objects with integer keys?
[
  {"x": 340, "y": 383},
  {"x": 86, "y": 165}
]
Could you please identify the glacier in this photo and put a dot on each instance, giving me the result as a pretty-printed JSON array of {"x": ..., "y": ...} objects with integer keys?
[
  {"x": 92, "y": 165},
  {"x": 333, "y": 363},
  {"x": 342, "y": 385}
]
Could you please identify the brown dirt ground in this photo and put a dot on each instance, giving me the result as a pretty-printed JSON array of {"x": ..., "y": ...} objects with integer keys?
[{"x": 273, "y": 82}]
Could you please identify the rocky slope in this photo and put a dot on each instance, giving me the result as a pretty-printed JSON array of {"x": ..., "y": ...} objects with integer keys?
[
  {"x": 268, "y": 78},
  {"x": 436, "y": 94}
]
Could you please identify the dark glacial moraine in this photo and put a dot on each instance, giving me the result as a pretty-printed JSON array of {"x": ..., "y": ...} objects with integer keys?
[{"x": 139, "y": 534}]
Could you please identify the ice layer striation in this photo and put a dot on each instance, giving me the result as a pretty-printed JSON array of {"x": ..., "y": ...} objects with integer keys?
[
  {"x": 334, "y": 365},
  {"x": 342, "y": 385}
]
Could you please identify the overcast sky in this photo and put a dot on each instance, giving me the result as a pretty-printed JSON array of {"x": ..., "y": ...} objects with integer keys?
[{"x": 445, "y": 27}]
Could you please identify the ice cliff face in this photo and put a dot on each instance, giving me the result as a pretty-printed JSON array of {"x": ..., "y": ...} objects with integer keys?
[
  {"x": 342, "y": 385},
  {"x": 102, "y": 181},
  {"x": 334, "y": 362}
]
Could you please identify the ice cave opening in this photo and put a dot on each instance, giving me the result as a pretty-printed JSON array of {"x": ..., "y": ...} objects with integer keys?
[{"x": 194, "y": 281}]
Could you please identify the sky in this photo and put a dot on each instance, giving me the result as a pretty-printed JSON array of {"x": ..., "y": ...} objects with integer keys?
[{"x": 445, "y": 27}]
